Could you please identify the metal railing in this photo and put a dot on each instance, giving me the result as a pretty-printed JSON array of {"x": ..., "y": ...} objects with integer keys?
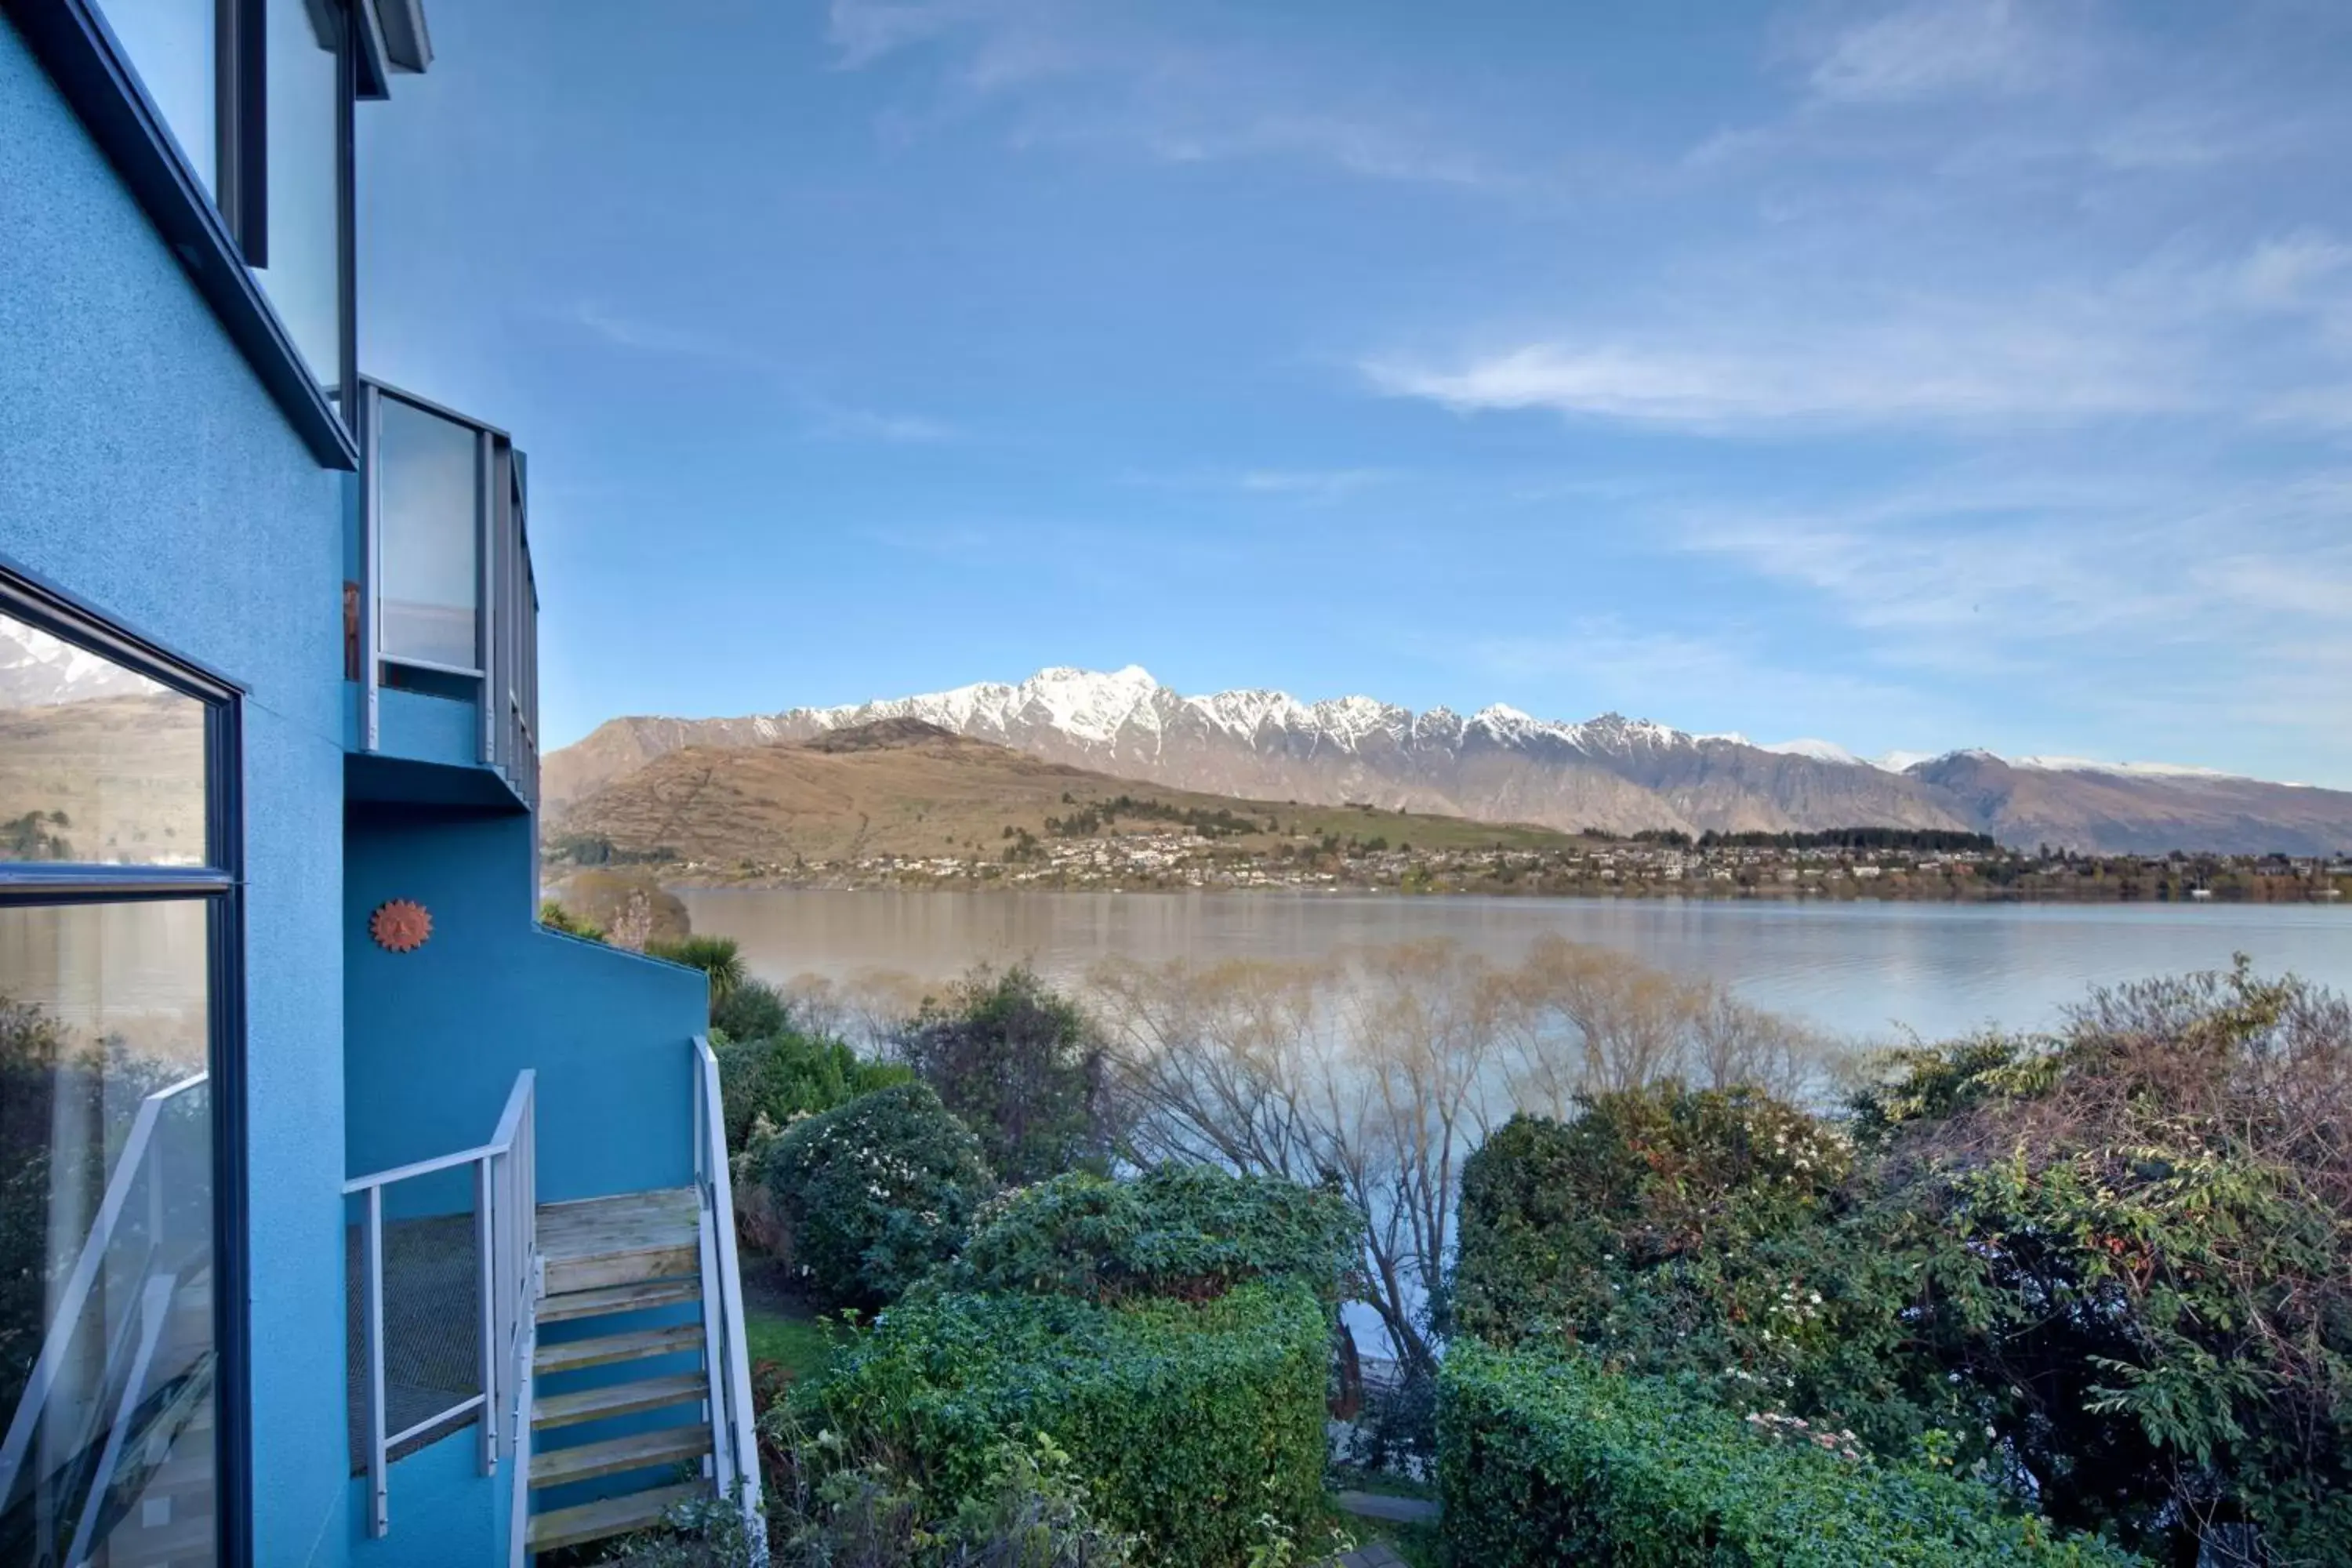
[
  {"x": 506, "y": 1232},
  {"x": 735, "y": 1441},
  {"x": 102, "y": 1411}
]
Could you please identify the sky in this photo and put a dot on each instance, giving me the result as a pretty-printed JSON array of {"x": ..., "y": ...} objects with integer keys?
[{"x": 1914, "y": 375}]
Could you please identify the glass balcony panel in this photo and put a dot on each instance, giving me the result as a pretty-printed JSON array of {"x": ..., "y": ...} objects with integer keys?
[
  {"x": 428, "y": 493},
  {"x": 106, "y": 1240},
  {"x": 170, "y": 44},
  {"x": 304, "y": 278},
  {"x": 98, "y": 765}
]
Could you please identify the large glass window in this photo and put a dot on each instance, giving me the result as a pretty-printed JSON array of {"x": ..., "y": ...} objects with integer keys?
[
  {"x": 99, "y": 764},
  {"x": 429, "y": 499},
  {"x": 304, "y": 278},
  {"x": 111, "y": 1037},
  {"x": 171, "y": 43},
  {"x": 256, "y": 94}
]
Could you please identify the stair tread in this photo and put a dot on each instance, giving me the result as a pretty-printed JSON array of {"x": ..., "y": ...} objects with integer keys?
[
  {"x": 608, "y": 1516},
  {"x": 626, "y": 1266},
  {"x": 610, "y": 1299},
  {"x": 603, "y": 1350},
  {"x": 613, "y": 1455},
  {"x": 618, "y": 1399}
]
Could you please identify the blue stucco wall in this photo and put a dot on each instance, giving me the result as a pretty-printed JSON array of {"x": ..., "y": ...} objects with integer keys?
[
  {"x": 144, "y": 469},
  {"x": 445, "y": 1512},
  {"x": 429, "y": 729},
  {"x": 436, "y": 1037}
]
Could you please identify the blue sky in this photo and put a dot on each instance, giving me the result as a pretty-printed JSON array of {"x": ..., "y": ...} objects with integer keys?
[{"x": 1914, "y": 375}]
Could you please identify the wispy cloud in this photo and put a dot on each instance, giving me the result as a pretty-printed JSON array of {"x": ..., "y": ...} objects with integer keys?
[
  {"x": 1113, "y": 73},
  {"x": 1676, "y": 673},
  {"x": 1765, "y": 347},
  {"x": 831, "y": 421},
  {"x": 1935, "y": 48}
]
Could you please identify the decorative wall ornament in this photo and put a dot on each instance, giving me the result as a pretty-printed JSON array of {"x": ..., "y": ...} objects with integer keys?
[{"x": 401, "y": 925}]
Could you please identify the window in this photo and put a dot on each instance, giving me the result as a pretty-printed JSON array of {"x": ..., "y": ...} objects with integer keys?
[
  {"x": 172, "y": 44},
  {"x": 257, "y": 96},
  {"x": 428, "y": 472},
  {"x": 304, "y": 273},
  {"x": 119, "y": 1060}
]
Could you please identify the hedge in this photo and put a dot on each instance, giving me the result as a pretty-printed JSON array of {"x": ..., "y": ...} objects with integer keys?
[
  {"x": 1189, "y": 1232},
  {"x": 1545, "y": 1459},
  {"x": 1187, "y": 1421}
]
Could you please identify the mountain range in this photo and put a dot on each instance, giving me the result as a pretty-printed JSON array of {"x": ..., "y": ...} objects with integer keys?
[{"x": 1611, "y": 773}]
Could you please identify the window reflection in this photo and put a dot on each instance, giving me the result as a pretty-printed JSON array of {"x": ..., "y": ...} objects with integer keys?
[
  {"x": 106, "y": 1241},
  {"x": 430, "y": 536},
  {"x": 304, "y": 278},
  {"x": 170, "y": 44},
  {"x": 98, "y": 764}
]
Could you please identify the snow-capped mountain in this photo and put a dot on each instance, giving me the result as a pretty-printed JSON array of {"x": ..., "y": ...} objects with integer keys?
[
  {"x": 1610, "y": 772},
  {"x": 38, "y": 669}
]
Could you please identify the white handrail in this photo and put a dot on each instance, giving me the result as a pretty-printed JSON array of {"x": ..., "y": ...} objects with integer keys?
[
  {"x": 736, "y": 1429},
  {"x": 506, "y": 1229},
  {"x": 76, "y": 1295}
]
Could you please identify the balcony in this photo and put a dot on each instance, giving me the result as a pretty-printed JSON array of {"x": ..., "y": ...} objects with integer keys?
[{"x": 442, "y": 620}]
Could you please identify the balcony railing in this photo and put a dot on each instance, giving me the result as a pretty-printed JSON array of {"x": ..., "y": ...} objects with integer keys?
[
  {"x": 449, "y": 607},
  {"x": 505, "y": 1215}
]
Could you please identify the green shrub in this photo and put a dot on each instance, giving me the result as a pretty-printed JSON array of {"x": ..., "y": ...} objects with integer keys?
[
  {"x": 754, "y": 1010},
  {"x": 1546, "y": 1461},
  {"x": 1191, "y": 1232},
  {"x": 828, "y": 1508},
  {"x": 720, "y": 958},
  {"x": 556, "y": 917},
  {"x": 788, "y": 1075},
  {"x": 1557, "y": 1216},
  {"x": 1711, "y": 1236},
  {"x": 1022, "y": 1065},
  {"x": 876, "y": 1193},
  {"x": 1191, "y": 1424}
]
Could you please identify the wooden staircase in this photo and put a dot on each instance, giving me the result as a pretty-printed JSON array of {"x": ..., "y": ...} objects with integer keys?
[{"x": 622, "y": 1372}]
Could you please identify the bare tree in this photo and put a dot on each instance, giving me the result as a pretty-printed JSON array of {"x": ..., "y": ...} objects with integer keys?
[
  {"x": 1370, "y": 1075},
  {"x": 1381, "y": 1072}
]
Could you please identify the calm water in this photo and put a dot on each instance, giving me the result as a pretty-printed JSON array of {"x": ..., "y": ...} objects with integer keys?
[{"x": 1858, "y": 969}]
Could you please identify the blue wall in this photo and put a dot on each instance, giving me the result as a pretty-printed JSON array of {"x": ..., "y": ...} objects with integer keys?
[
  {"x": 430, "y": 729},
  {"x": 144, "y": 469},
  {"x": 445, "y": 1513},
  {"x": 436, "y": 1037}
]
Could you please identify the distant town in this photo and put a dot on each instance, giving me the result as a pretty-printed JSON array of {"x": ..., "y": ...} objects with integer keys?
[{"x": 1859, "y": 864}]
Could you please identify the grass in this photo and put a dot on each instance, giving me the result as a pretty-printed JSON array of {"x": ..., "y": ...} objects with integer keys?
[
  {"x": 1380, "y": 1483},
  {"x": 798, "y": 1344},
  {"x": 1421, "y": 1545}
]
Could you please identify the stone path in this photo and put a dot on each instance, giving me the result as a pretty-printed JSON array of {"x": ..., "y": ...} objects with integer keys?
[
  {"x": 1387, "y": 1510},
  {"x": 1390, "y": 1510}
]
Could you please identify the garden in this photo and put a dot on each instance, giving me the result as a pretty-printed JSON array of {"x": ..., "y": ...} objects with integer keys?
[{"x": 1039, "y": 1282}]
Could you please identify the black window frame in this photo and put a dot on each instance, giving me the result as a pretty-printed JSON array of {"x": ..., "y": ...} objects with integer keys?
[
  {"x": 221, "y": 884},
  {"x": 219, "y": 236}
]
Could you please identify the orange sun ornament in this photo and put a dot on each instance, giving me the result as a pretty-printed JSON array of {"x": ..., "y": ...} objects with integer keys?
[{"x": 401, "y": 925}]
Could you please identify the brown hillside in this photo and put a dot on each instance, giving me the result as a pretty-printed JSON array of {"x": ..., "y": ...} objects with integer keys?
[{"x": 905, "y": 787}]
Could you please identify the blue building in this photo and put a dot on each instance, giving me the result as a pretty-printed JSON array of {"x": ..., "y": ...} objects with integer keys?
[{"x": 347, "y": 1215}]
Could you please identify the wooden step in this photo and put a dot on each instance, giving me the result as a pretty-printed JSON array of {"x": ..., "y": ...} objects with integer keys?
[
  {"x": 603, "y": 1270},
  {"x": 603, "y": 1349},
  {"x": 618, "y": 1399},
  {"x": 614, "y": 1456},
  {"x": 617, "y": 1299},
  {"x": 609, "y": 1516}
]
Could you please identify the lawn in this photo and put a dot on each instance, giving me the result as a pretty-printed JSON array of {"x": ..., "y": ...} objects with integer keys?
[
  {"x": 779, "y": 1324},
  {"x": 797, "y": 1343}
]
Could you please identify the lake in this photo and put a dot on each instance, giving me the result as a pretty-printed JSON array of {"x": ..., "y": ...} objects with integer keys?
[{"x": 1859, "y": 969}]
